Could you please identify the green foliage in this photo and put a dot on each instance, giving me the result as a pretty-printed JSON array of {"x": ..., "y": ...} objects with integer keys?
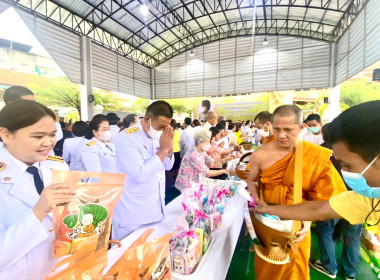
[
  {"x": 57, "y": 91},
  {"x": 358, "y": 91},
  {"x": 62, "y": 92},
  {"x": 182, "y": 105}
]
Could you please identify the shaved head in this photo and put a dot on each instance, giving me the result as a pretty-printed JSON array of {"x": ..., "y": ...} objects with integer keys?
[
  {"x": 289, "y": 110},
  {"x": 212, "y": 118}
]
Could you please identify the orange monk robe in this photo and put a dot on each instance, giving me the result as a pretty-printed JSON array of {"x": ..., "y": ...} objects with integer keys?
[
  {"x": 320, "y": 182},
  {"x": 268, "y": 139}
]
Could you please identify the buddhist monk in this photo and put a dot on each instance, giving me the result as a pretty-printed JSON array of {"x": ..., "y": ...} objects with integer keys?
[
  {"x": 263, "y": 122},
  {"x": 273, "y": 165}
]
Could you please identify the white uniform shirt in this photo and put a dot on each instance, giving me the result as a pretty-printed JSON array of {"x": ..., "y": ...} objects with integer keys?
[
  {"x": 98, "y": 156},
  {"x": 25, "y": 242},
  {"x": 187, "y": 140},
  {"x": 72, "y": 152},
  {"x": 59, "y": 133},
  {"x": 143, "y": 198},
  {"x": 309, "y": 136},
  {"x": 114, "y": 131}
]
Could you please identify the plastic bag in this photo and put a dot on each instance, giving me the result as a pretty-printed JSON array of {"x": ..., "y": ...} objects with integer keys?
[
  {"x": 86, "y": 221},
  {"x": 85, "y": 264},
  {"x": 186, "y": 251},
  {"x": 145, "y": 260}
]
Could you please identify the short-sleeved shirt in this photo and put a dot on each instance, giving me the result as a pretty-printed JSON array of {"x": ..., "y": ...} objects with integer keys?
[
  {"x": 355, "y": 208},
  {"x": 193, "y": 164},
  {"x": 177, "y": 138}
]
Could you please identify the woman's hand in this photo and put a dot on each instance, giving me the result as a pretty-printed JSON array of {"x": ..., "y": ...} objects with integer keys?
[{"x": 50, "y": 197}]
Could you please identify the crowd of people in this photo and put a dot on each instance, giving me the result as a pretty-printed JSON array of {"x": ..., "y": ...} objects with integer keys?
[{"x": 157, "y": 152}]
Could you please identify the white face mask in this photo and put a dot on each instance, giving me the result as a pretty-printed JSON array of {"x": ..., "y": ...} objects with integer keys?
[
  {"x": 205, "y": 147},
  {"x": 155, "y": 134},
  {"x": 105, "y": 135},
  {"x": 263, "y": 133}
]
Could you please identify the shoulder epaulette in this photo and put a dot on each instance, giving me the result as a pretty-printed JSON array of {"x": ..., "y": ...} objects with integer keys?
[
  {"x": 132, "y": 130},
  {"x": 109, "y": 141},
  {"x": 55, "y": 158},
  {"x": 91, "y": 143}
]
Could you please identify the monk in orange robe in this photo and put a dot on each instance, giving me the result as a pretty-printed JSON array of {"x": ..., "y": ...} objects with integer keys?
[{"x": 273, "y": 164}]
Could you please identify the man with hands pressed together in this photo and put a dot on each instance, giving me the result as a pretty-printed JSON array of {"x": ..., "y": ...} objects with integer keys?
[
  {"x": 273, "y": 165},
  {"x": 143, "y": 152}
]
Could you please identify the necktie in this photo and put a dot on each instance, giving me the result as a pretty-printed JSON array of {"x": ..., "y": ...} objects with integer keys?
[
  {"x": 37, "y": 178},
  {"x": 109, "y": 148}
]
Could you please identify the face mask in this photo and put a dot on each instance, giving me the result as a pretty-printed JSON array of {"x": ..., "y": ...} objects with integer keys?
[
  {"x": 106, "y": 135},
  {"x": 205, "y": 147},
  {"x": 155, "y": 134},
  {"x": 357, "y": 183},
  {"x": 263, "y": 133},
  {"x": 314, "y": 129}
]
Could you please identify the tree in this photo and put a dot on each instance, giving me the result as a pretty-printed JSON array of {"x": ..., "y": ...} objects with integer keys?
[
  {"x": 358, "y": 91},
  {"x": 57, "y": 91},
  {"x": 182, "y": 105},
  {"x": 62, "y": 92}
]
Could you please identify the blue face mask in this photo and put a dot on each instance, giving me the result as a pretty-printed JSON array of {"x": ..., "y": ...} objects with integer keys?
[
  {"x": 314, "y": 129},
  {"x": 358, "y": 184}
]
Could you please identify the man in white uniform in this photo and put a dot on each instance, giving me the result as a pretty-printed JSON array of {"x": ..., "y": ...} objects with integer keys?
[
  {"x": 143, "y": 152},
  {"x": 187, "y": 138},
  {"x": 314, "y": 130},
  {"x": 113, "y": 119}
]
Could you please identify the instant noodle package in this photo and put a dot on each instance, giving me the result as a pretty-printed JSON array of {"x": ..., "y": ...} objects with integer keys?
[{"x": 86, "y": 221}]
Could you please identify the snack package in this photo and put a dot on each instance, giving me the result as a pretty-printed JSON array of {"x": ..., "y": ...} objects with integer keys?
[
  {"x": 86, "y": 221},
  {"x": 202, "y": 225},
  {"x": 186, "y": 251},
  {"x": 145, "y": 261},
  {"x": 85, "y": 264}
]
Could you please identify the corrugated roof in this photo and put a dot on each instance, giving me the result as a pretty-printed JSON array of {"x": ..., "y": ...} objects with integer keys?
[{"x": 170, "y": 27}]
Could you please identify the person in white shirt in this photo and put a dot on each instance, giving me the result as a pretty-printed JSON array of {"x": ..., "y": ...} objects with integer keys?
[
  {"x": 113, "y": 120},
  {"x": 246, "y": 130},
  {"x": 187, "y": 138},
  {"x": 26, "y": 194},
  {"x": 196, "y": 124},
  {"x": 211, "y": 120},
  {"x": 98, "y": 155},
  {"x": 72, "y": 147},
  {"x": 144, "y": 152},
  {"x": 314, "y": 127},
  {"x": 130, "y": 120}
]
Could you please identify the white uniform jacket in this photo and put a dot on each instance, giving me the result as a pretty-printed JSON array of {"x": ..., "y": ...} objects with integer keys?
[
  {"x": 114, "y": 131},
  {"x": 25, "y": 242},
  {"x": 72, "y": 152},
  {"x": 143, "y": 198},
  {"x": 97, "y": 157}
]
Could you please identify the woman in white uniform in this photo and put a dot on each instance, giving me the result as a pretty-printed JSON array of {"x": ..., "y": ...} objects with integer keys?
[
  {"x": 98, "y": 155},
  {"x": 26, "y": 197},
  {"x": 72, "y": 146}
]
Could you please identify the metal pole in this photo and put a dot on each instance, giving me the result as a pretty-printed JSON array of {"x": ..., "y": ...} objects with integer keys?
[{"x": 87, "y": 108}]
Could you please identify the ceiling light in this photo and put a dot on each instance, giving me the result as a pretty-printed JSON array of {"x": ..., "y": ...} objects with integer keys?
[
  {"x": 144, "y": 10},
  {"x": 191, "y": 53},
  {"x": 265, "y": 42}
]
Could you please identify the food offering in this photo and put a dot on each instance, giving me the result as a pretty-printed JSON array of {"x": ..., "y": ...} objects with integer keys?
[{"x": 86, "y": 221}]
